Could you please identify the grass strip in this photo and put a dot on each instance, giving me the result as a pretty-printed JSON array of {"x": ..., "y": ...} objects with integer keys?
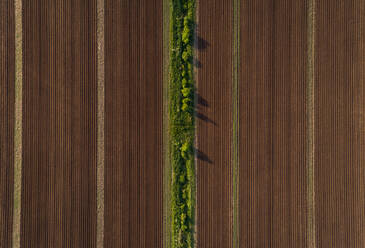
[
  {"x": 100, "y": 127},
  {"x": 311, "y": 239},
  {"x": 182, "y": 123},
  {"x": 18, "y": 123}
]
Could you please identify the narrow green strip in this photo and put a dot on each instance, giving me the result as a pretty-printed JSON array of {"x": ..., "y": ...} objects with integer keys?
[
  {"x": 18, "y": 123},
  {"x": 182, "y": 122},
  {"x": 235, "y": 119},
  {"x": 311, "y": 238},
  {"x": 100, "y": 125}
]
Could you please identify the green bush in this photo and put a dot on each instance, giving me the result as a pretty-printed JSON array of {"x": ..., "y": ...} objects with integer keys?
[
  {"x": 184, "y": 83},
  {"x": 185, "y": 107},
  {"x": 186, "y": 92},
  {"x": 186, "y": 35}
]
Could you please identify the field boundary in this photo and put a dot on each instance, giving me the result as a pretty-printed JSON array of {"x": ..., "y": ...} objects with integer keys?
[
  {"x": 100, "y": 125},
  {"x": 311, "y": 238},
  {"x": 18, "y": 122},
  {"x": 167, "y": 170},
  {"x": 196, "y": 144},
  {"x": 182, "y": 122},
  {"x": 235, "y": 115}
]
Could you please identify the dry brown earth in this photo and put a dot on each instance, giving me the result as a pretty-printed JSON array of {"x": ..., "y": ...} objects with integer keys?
[
  {"x": 7, "y": 101},
  {"x": 133, "y": 124},
  {"x": 214, "y": 124},
  {"x": 59, "y": 124},
  {"x": 272, "y": 132},
  {"x": 58, "y": 205},
  {"x": 339, "y": 123}
]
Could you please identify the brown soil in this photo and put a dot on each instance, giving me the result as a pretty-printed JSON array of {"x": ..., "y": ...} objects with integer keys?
[
  {"x": 7, "y": 101},
  {"x": 214, "y": 124},
  {"x": 59, "y": 124},
  {"x": 339, "y": 123},
  {"x": 272, "y": 90},
  {"x": 133, "y": 124},
  {"x": 59, "y": 183}
]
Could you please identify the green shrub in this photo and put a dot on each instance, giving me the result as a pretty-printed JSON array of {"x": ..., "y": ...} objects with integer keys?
[
  {"x": 186, "y": 92},
  {"x": 186, "y": 101},
  {"x": 186, "y": 150},
  {"x": 184, "y": 82},
  {"x": 185, "y": 107},
  {"x": 187, "y": 55},
  {"x": 186, "y": 35}
]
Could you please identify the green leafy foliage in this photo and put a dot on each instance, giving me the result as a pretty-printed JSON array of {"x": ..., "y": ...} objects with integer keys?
[
  {"x": 181, "y": 114},
  {"x": 186, "y": 92},
  {"x": 186, "y": 35}
]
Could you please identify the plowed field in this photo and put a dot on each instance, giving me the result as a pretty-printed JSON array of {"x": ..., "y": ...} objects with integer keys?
[
  {"x": 339, "y": 124},
  {"x": 59, "y": 124},
  {"x": 280, "y": 109},
  {"x": 214, "y": 123},
  {"x": 133, "y": 124},
  {"x": 7, "y": 101},
  {"x": 272, "y": 98}
]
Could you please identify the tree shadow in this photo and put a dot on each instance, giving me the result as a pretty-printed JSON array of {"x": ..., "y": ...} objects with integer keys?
[
  {"x": 202, "y": 101},
  {"x": 205, "y": 118},
  {"x": 200, "y": 43},
  {"x": 202, "y": 156}
]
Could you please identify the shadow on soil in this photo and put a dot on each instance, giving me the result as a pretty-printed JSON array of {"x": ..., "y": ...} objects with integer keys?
[
  {"x": 202, "y": 156},
  {"x": 202, "y": 101},
  {"x": 205, "y": 118},
  {"x": 200, "y": 43}
]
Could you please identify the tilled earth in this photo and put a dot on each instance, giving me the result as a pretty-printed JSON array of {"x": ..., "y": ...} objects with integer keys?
[
  {"x": 133, "y": 124},
  {"x": 214, "y": 123},
  {"x": 59, "y": 123}
]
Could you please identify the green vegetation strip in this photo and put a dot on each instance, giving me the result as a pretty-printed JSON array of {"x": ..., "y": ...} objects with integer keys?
[
  {"x": 18, "y": 123},
  {"x": 181, "y": 122}
]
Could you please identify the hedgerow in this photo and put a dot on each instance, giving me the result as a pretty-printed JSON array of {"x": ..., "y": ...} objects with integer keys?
[{"x": 181, "y": 114}]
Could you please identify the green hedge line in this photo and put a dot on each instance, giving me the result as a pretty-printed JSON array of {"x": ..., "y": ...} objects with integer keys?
[{"x": 181, "y": 113}]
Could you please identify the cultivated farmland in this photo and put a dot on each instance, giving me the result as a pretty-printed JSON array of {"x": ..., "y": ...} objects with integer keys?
[
  {"x": 272, "y": 104},
  {"x": 339, "y": 129},
  {"x": 133, "y": 124},
  {"x": 58, "y": 206},
  {"x": 182, "y": 123},
  {"x": 214, "y": 123},
  {"x": 7, "y": 120}
]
